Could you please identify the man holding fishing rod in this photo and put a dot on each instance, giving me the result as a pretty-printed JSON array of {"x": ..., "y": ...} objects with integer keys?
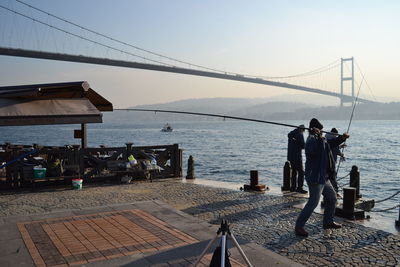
[{"x": 319, "y": 167}]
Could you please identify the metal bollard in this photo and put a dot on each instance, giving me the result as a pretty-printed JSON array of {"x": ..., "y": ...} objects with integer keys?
[
  {"x": 190, "y": 168},
  {"x": 348, "y": 209},
  {"x": 349, "y": 199},
  {"x": 355, "y": 180},
  {"x": 287, "y": 173},
  {"x": 254, "y": 185},
  {"x": 253, "y": 178}
]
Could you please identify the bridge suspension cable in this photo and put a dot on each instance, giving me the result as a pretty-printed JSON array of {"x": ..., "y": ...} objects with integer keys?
[
  {"x": 82, "y": 37},
  {"x": 359, "y": 69},
  {"x": 308, "y": 73},
  {"x": 327, "y": 67},
  {"x": 118, "y": 41}
]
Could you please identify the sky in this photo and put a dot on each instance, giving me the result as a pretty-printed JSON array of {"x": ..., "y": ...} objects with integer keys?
[{"x": 267, "y": 38}]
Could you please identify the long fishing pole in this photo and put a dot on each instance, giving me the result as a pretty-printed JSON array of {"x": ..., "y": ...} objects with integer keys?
[
  {"x": 351, "y": 119},
  {"x": 218, "y": 116}
]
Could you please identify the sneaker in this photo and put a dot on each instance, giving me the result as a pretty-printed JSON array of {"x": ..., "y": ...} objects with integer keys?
[
  {"x": 302, "y": 191},
  {"x": 300, "y": 231}
]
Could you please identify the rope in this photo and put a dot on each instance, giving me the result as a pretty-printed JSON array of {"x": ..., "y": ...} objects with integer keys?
[
  {"x": 341, "y": 178},
  {"x": 382, "y": 200},
  {"x": 383, "y": 210}
]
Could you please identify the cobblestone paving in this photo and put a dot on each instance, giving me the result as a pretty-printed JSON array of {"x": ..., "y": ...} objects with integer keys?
[{"x": 265, "y": 219}]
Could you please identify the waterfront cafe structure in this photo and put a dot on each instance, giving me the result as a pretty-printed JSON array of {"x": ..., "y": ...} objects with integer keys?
[
  {"x": 71, "y": 103},
  {"x": 46, "y": 104}
]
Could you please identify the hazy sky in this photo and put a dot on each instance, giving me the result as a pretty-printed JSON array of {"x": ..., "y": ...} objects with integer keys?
[{"x": 270, "y": 38}]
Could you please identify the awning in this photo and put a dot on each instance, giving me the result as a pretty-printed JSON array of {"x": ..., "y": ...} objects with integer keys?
[
  {"x": 55, "y": 91},
  {"x": 55, "y": 103},
  {"x": 51, "y": 111}
]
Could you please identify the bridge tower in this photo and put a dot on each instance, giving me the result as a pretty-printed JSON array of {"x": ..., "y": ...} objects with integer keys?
[{"x": 343, "y": 79}]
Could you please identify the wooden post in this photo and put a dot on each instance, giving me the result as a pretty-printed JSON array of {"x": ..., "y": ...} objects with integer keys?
[
  {"x": 176, "y": 161},
  {"x": 287, "y": 173},
  {"x": 84, "y": 135},
  {"x": 180, "y": 161}
]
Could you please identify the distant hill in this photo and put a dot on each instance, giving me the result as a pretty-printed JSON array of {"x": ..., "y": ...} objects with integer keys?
[{"x": 259, "y": 109}]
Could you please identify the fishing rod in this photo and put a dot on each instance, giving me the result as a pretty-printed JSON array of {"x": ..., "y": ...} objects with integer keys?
[
  {"x": 351, "y": 119},
  {"x": 219, "y": 116}
]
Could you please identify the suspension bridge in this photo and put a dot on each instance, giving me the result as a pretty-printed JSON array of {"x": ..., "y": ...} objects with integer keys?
[{"x": 14, "y": 43}]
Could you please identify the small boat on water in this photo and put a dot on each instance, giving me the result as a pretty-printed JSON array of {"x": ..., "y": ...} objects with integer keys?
[{"x": 167, "y": 128}]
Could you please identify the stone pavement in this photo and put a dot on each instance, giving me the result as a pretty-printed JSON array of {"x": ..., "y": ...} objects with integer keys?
[
  {"x": 146, "y": 233},
  {"x": 265, "y": 219}
]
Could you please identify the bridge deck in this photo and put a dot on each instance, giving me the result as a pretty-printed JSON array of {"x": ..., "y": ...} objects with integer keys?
[{"x": 128, "y": 64}]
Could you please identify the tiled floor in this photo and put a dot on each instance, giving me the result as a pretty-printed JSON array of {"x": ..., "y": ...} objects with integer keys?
[{"x": 96, "y": 237}]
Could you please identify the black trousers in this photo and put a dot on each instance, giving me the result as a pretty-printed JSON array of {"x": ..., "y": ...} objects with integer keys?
[{"x": 297, "y": 179}]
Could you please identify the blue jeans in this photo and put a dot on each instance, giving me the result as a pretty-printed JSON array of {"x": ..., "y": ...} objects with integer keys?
[{"x": 315, "y": 194}]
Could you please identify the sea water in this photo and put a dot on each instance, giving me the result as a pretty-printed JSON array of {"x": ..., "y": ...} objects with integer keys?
[{"x": 227, "y": 150}]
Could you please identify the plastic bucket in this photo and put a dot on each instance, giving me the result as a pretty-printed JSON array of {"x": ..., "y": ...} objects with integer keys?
[
  {"x": 39, "y": 172},
  {"x": 77, "y": 183}
]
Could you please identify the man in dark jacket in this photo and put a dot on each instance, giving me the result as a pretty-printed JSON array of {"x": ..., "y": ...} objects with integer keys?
[
  {"x": 320, "y": 165},
  {"x": 294, "y": 156},
  {"x": 335, "y": 153}
]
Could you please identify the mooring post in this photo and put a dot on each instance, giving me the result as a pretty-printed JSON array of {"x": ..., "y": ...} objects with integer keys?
[
  {"x": 355, "y": 180},
  {"x": 190, "y": 168},
  {"x": 287, "y": 173},
  {"x": 348, "y": 210},
  {"x": 253, "y": 178},
  {"x": 349, "y": 199},
  {"x": 254, "y": 185}
]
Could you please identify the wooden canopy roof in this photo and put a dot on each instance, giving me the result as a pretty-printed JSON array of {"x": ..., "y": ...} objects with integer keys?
[{"x": 55, "y": 103}]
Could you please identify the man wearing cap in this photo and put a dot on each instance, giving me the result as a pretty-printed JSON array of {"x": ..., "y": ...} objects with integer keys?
[
  {"x": 294, "y": 156},
  {"x": 320, "y": 166}
]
